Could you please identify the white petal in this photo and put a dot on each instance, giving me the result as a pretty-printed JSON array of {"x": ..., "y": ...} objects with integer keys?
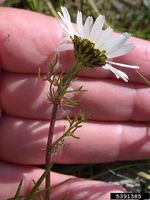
[
  {"x": 64, "y": 47},
  {"x": 65, "y": 13},
  {"x": 105, "y": 36},
  {"x": 66, "y": 19},
  {"x": 121, "y": 51},
  {"x": 124, "y": 65},
  {"x": 66, "y": 31},
  {"x": 118, "y": 73},
  {"x": 80, "y": 24},
  {"x": 97, "y": 27},
  {"x": 116, "y": 42},
  {"x": 63, "y": 28},
  {"x": 87, "y": 27},
  {"x": 65, "y": 40}
]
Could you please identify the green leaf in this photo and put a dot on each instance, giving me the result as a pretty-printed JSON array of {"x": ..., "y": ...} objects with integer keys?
[
  {"x": 39, "y": 192},
  {"x": 16, "y": 197},
  {"x": 34, "y": 5},
  {"x": 146, "y": 81},
  {"x": 38, "y": 183}
]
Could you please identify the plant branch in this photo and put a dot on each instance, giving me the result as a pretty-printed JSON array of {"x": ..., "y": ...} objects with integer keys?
[
  {"x": 48, "y": 148},
  {"x": 62, "y": 88}
]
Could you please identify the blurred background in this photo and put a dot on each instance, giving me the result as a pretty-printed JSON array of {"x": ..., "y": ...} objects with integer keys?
[{"x": 122, "y": 15}]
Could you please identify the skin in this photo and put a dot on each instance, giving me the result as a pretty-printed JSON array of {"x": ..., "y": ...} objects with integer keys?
[{"x": 116, "y": 129}]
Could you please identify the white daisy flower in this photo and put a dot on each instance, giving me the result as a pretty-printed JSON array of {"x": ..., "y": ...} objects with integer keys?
[{"x": 94, "y": 46}]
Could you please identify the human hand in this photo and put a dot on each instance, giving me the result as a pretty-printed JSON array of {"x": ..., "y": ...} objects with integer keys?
[{"x": 118, "y": 111}]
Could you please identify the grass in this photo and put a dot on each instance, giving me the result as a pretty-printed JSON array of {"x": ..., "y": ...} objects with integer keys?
[{"x": 125, "y": 15}]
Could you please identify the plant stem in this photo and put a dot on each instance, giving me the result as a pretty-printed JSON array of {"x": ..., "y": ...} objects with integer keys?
[
  {"x": 48, "y": 148},
  {"x": 48, "y": 160}
]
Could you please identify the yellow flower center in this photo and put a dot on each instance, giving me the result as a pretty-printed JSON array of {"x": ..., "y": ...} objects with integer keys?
[{"x": 87, "y": 54}]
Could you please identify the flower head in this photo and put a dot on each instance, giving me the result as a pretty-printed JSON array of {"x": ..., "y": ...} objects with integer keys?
[{"x": 94, "y": 46}]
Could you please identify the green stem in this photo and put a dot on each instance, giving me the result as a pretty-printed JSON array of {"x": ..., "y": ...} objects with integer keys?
[
  {"x": 73, "y": 70},
  {"x": 65, "y": 83},
  {"x": 38, "y": 183}
]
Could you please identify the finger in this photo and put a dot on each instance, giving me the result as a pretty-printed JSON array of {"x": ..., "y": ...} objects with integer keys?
[
  {"x": 2, "y": 1},
  {"x": 139, "y": 56},
  {"x": 23, "y": 41},
  {"x": 75, "y": 188},
  {"x": 26, "y": 96},
  {"x": 99, "y": 142},
  {"x": 34, "y": 45}
]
